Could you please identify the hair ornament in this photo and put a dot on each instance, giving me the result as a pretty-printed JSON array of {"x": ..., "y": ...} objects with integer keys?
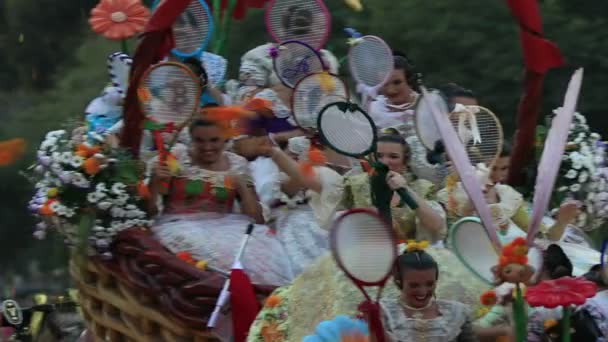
[{"x": 414, "y": 246}]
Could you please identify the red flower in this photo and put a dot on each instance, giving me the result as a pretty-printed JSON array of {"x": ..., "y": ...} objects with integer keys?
[
  {"x": 564, "y": 291},
  {"x": 489, "y": 298}
]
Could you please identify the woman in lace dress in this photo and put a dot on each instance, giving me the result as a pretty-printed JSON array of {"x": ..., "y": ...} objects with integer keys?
[
  {"x": 323, "y": 291},
  {"x": 418, "y": 315},
  {"x": 200, "y": 214}
]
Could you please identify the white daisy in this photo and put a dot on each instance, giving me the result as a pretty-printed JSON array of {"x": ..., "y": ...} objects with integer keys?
[
  {"x": 118, "y": 188},
  {"x": 77, "y": 161},
  {"x": 575, "y": 187},
  {"x": 55, "y": 206},
  {"x": 80, "y": 181},
  {"x": 101, "y": 187},
  {"x": 94, "y": 197},
  {"x": 117, "y": 212},
  {"x": 66, "y": 158},
  {"x": 583, "y": 176},
  {"x": 571, "y": 174},
  {"x": 105, "y": 205}
]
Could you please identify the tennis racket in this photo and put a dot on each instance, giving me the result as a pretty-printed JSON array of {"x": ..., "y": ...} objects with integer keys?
[
  {"x": 305, "y": 21},
  {"x": 193, "y": 30},
  {"x": 550, "y": 160},
  {"x": 480, "y": 132},
  {"x": 426, "y": 129},
  {"x": 311, "y": 94},
  {"x": 349, "y": 130},
  {"x": 371, "y": 63},
  {"x": 365, "y": 248},
  {"x": 169, "y": 95},
  {"x": 294, "y": 60},
  {"x": 604, "y": 261}
]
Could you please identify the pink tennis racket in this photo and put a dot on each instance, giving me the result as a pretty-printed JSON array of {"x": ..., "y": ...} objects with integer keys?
[
  {"x": 305, "y": 21},
  {"x": 294, "y": 60},
  {"x": 365, "y": 248},
  {"x": 371, "y": 63},
  {"x": 312, "y": 93}
]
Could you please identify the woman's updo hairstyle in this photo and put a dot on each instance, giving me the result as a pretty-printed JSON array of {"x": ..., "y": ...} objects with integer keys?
[
  {"x": 418, "y": 260},
  {"x": 556, "y": 263},
  {"x": 395, "y": 138},
  {"x": 197, "y": 68},
  {"x": 413, "y": 77},
  {"x": 595, "y": 275}
]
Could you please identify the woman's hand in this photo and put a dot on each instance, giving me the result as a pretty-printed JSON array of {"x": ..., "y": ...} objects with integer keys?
[
  {"x": 161, "y": 172},
  {"x": 568, "y": 212},
  {"x": 395, "y": 181}
]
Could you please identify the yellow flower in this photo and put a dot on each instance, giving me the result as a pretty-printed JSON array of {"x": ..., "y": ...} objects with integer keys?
[
  {"x": 550, "y": 323},
  {"x": 173, "y": 164},
  {"x": 413, "y": 246},
  {"x": 355, "y": 5},
  {"x": 327, "y": 82},
  {"x": 201, "y": 265},
  {"x": 53, "y": 192}
]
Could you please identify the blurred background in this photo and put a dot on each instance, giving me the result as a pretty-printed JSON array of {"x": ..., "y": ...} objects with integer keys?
[{"x": 52, "y": 65}]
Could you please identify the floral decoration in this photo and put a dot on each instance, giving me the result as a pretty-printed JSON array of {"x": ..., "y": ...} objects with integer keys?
[
  {"x": 564, "y": 292},
  {"x": 119, "y": 19},
  {"x": 89, "y": 193},
  {"x": 271, "y": 323}
]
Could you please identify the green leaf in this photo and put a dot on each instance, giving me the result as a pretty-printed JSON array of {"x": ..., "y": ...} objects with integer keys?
[
  {"x": 153, "y": 126},
  {"x": 127, "y": 172},
  {"x": 194, "y": 187},
  {"x": 221, "y": 193}
]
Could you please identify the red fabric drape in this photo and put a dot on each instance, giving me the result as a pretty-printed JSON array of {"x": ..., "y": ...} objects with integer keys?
[
  {"x": 244, "y": 304},
  {"x": 539, "y": 56},
  {"x": 156, "y": 42}
]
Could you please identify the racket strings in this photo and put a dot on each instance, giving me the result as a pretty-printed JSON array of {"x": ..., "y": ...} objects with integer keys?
[
  {"x": 169, "y": 93},
  {"x": 310, "y": 97},
  {"x": 296, "y": 61},
  {"x": 426, "y": 129},
  {"x": 191, "y": 28},
  {"x": 481, "y": 136},
  {"x": 349, "y": 132},
  {"x": 365, "y": 246},
  {"x": 371, "y": 61},
  {"x": 305, "y": 21}
]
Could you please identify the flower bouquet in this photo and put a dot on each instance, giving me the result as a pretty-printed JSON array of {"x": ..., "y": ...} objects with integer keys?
[{"x": 87, "y": 192}]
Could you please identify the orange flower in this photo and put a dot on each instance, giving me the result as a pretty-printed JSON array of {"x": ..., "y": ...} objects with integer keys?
[
  {"x": 143, "y": 94},
  {"x": 271, "y": 333},
  {"x": 91, "y": 166},
  {"x": 119, "y": 19},
  {"x": 258, "y": 105},
  {"x": 185, "y": 257},
  {"x": 86, "y": 151},
  {"x": 46, "y": 208},
  {"x": 317, "y": 157},
  {"x": 273, "y": 301},
  {"x": 488, "y": 298},
  {"x": 142, "y": 190},
  {"x": 11, "y": 151}
]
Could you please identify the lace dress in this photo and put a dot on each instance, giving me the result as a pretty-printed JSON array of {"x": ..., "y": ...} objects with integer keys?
[
  {"x": 291, "y": 217},
  {"x": 453, "y": 325},
  {"x": 201, "y": 217},
  {"x": 323, "y": 291}
]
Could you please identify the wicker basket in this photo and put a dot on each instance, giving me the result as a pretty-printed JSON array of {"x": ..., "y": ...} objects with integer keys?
[{"x": 146, "y": 294}]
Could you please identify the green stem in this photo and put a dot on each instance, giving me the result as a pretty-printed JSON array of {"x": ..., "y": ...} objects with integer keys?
[
  {"x": 519, "y": 313},
  {"x": 124, "y": 47},
  {"x": 217, "y": 12},
  {"x": 226, "y": 24},
  {"x": 566, "y": 324}
]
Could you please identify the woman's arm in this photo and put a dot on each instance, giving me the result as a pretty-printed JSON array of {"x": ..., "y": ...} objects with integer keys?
[
  {"x": 427, "y": 216},
  {"x": 161, "y": 175},
  {"x": 292, "y": 169},
  {"x": 250, "y": 204}
]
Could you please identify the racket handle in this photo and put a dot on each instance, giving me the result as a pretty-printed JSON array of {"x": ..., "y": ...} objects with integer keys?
[{"x": 407, "y": 198}]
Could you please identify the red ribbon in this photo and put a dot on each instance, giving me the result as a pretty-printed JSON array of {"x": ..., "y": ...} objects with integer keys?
[{"x": 371, "y": 313}]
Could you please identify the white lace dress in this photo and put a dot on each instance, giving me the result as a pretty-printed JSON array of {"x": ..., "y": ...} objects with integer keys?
[
  {"x": 453, "y": 324},
  {"x": 292, "y": 217},
  {"x": 200, "y": 217}
]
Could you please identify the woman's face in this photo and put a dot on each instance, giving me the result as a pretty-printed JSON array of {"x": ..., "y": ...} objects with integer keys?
[
  {"x": 207, "y": 144},
  {"x": 500, "y": 170},
  {"x": 419, "y": 287},
  {"x": 396, "y": 89},
  {"x": 391, "y": 154}
]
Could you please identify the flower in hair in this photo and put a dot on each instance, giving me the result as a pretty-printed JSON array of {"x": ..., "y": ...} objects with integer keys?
[
  {"x": 273, "y": 52},
  {"x": 413, "y": 245}
]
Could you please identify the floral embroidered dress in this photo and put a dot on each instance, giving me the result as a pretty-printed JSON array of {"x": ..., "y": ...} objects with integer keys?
[
  {"x": 402, "y": 119},
  {"x": 453, "y": 325},
  {"x": 200, "y": 217},
  {"x": 322, "y": 291},
  {"x": 512, "y": 216}
]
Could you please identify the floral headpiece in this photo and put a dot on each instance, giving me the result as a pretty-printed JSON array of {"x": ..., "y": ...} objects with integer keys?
[
  {"x": 413, "y": 246},
  {"x": 514, "y": 253}
]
